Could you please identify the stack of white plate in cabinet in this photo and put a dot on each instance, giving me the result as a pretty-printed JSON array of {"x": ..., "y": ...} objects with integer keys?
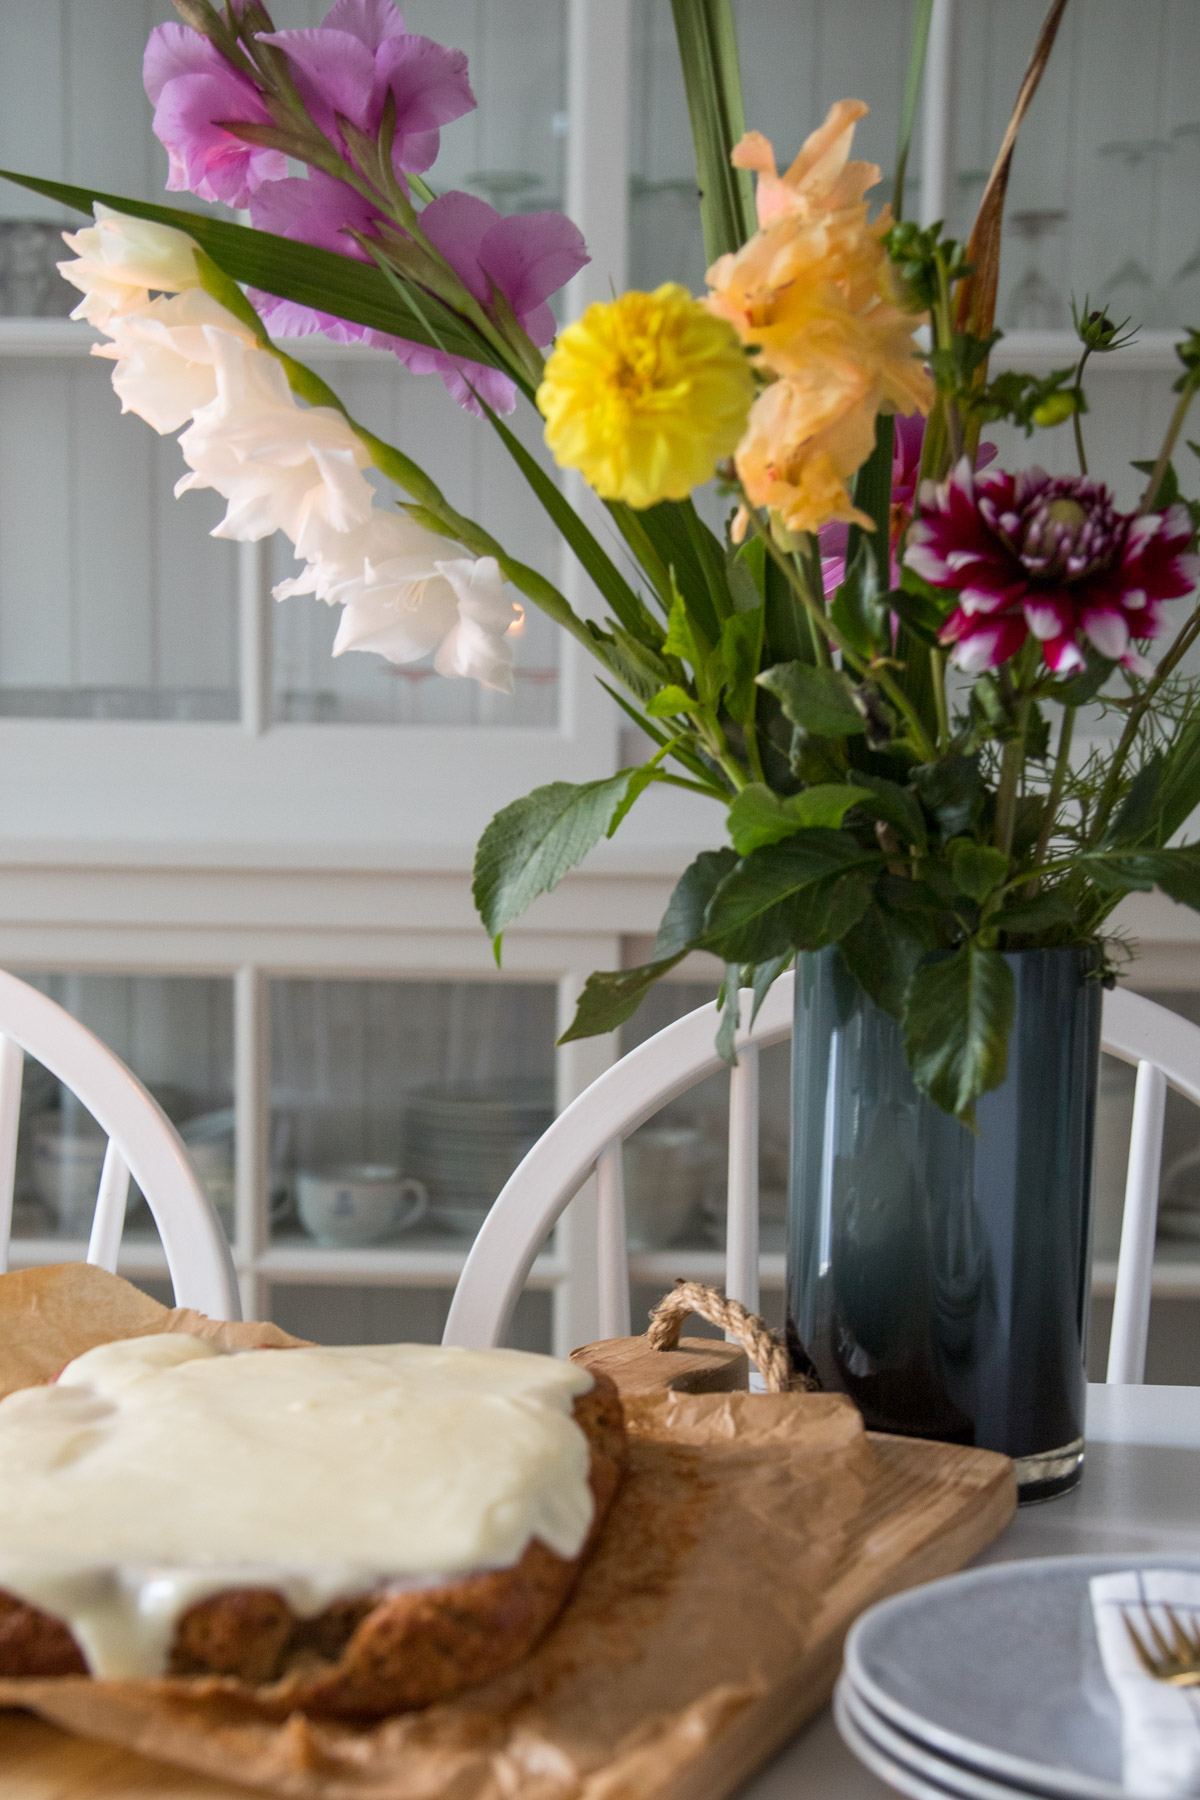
[
  {"x": 464, "y": 1142},
  {"x": 989, "y": 1685}
]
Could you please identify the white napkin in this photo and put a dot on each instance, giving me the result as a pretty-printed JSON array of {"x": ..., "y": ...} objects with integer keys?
[{"x": 1160, "y": 1725}]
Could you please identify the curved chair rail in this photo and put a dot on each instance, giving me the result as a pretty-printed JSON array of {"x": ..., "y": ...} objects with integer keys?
[
  {"x": 142, "y": 1142},
  {"x": 587, "y": 1137}
]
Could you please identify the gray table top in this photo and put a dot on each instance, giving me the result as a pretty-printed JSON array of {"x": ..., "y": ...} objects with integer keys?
[{"x": 1140, "y": 1493}]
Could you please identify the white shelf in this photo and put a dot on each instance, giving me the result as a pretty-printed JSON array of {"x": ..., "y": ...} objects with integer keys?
[{"x": 1152, "y": 352}]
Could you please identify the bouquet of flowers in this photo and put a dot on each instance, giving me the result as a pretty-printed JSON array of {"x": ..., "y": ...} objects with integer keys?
[{"x": 876, "y": 665}]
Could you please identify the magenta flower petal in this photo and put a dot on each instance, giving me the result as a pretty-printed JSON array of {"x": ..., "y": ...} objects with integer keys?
[
  {"x": 431, "y": 88},
  {"x": 316, "y": 209},
  {"x": 529, "y": 257},
  {"x": 334, "y": 72},
  {"x": 192, "y": 89},
  {"x": 1051, "y": 555},
  {"x": 370, "y": 21}
]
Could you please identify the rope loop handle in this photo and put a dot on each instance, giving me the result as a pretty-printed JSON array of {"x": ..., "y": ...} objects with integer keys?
[{"x": 762, "y": 1345}]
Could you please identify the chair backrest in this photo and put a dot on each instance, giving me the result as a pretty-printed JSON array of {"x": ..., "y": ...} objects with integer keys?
[
  {"x": 142, "y": 1142},
  {"x": 587, "y": 1137}
]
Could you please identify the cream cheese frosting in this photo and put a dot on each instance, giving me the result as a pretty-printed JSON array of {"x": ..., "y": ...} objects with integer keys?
[{"x": 157, "y": 1471}]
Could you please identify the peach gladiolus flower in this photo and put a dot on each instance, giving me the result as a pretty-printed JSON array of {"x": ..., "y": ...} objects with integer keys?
[
  {"x": 805, "y": 437},
  {"x": 813, "y": 296}
]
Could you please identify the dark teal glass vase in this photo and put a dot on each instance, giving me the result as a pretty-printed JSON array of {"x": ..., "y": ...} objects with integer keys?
[{"x": 939, "y": 1277}]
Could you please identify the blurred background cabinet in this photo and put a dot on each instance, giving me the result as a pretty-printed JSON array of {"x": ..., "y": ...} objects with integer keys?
[{"x": 247, "y": 866}]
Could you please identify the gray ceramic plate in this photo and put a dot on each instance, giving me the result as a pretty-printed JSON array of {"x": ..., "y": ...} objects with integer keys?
[
  {"x": 864, "y": 1730},
  {"x": 998, "y": 1670},
  {"x": 896, "y": 1774}
]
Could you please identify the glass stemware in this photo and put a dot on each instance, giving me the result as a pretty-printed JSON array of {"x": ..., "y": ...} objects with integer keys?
[
  {"x": 1034, "y": 305},
  {"x": 1129, "y": 291}
]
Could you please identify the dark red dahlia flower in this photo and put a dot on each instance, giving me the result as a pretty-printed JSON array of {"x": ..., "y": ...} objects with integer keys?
[{"x": 1048, "y": 555}]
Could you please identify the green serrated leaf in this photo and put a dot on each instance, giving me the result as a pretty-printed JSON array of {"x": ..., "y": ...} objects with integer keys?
[
  {"x": 610, "y": 997},
  {"x": 529, "y": 846},
  {"x": 896, "y": 806},
  {"x": 952, "y": 791},
  {"x": 796, "y": 895},
  {"x": 883, "y": 953},
  {"x": 1042, "y": 913},
  {"x": 1138, "y": 818},
  {"x": 757, "y": 816},
  {"x": 1175, "y": 871},
  {"x": 817, "y": 699},
  {"x": 956, "y": 1024},
  {"x": 738, "y": 651},
  {"x": 671, "y": 700},
  {"x": 683, "y": 921},
  {"x": 978, "y": 870},
  {"x": 766, "y": 974},
  {"x": 859, "y": 609}
]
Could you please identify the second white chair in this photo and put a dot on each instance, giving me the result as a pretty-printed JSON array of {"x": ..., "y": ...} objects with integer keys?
[{"x": 588, "y": 1135}]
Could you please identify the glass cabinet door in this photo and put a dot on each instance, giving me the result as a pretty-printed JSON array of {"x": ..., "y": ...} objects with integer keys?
[{"x": 176, "y": 1033}]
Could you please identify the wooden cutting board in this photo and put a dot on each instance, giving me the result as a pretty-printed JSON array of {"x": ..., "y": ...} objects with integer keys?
[{"x": 40, "y": 1762}]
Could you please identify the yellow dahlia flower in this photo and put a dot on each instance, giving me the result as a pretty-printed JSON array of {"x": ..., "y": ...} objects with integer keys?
[
  {"x": 812, "y": 296},
  {"x": 645, "y": 394}
]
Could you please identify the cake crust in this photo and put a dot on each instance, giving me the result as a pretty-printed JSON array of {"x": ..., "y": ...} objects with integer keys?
[{"x": 374, "y": 1654}]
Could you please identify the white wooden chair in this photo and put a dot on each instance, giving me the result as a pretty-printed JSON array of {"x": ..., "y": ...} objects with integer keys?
[
  {"x": 141, "y": 1141},
  {"x": 587, "y": 1136}
]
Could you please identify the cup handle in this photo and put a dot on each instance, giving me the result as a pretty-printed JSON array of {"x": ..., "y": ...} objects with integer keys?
[{"x": 417, "y": 1195}]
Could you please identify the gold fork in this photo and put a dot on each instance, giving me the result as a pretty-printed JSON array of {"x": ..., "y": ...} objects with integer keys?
[{"x": 1176, "y": 1659}]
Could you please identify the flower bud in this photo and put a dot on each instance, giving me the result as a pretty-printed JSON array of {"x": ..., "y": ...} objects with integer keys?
[{"x": 1055, "y": 408}]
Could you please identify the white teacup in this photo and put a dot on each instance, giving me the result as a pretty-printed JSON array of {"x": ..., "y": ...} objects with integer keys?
[
  {"x": 66, "y": 1173},
  {"x": 359, "y": 1203}
]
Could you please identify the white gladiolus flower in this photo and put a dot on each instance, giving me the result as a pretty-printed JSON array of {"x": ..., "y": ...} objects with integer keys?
[
  {"x": 403, "y": 596},
  {"x": 166, "y": 361},
  {"x": 121, "y": 258},
  {"x": 281, "y": 466}
]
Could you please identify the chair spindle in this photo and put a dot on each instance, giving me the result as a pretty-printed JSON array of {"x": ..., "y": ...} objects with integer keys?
[
  {"x": 1131, "y": 1302},
  {"x": 612, "y": 1263},
  {"x": 12, "y": 1070},
  {"x": 108, "y": 1221},
  {"x": 741, "y": 1222}
]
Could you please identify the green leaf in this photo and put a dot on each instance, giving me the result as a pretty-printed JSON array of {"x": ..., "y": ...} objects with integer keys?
[
  {"x": 766, "y": 974},
  {"x": 1179, "y": 795},
  {"x": 683, "y": 922},
  {"x": 956, "y": 1023},
  {"x": 857, "y": 609},
  {"x": 1176, "y": 872},
  {"x": 978, "y": 870},
  {"x": 681, "y": 640},
  {"x": 1041, "y": 913},
  {"x": 610, "y": 997},
  {"x": 883, "y": 954},
  {"x": 952, "y": 790},
  {"x": 313, "y": 277},
  {"x": 670, "y": 531},
  {"x": 729, "y": 1013},
  {"x": 896, "y": 806},
  {"x": 704, "y": 30},
  {"x": 873, "y": 495},
  {"x": 819, "y": 700},
  {"x": 738, "y": 651},
  {"x": 757, "y": 816},
  {"x": 795, "y": 895},
  {"x": 671, "y": 700},
  {"x": 595, "y": 559},
  {"x": 912, "y": 95},
  {"x": 1139, "y": 816},
  {"x": 529, "y": 846}
]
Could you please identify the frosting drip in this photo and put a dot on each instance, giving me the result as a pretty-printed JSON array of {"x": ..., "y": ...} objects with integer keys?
[{"x": 158, "y": 1471}]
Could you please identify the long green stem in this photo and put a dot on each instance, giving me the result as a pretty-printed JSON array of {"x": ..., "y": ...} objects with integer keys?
[
  {"x": 1137, "y": 712},
  {"x": 1080, "y": 452},
  {"x": 1174, "y": 427},
  {"x": 937, "y": 675},
  {"x": 921, "y": 742},
  {"x": 1062, "y": 763},
  {"x": 1012, "y": 760}
]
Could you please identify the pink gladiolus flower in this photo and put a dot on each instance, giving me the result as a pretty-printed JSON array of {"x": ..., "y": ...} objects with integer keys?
[
  {"x": 192, "y": 87},
  {"x": 1052, "y": 556},
  {"x": 361, "y": 53},
  {"x": 527, "y": 258}
]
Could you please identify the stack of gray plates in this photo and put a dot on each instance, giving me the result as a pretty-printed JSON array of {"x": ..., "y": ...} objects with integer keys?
[
  {"x": 465, "y": 1142},
  {"x": 989, "y": 1685}
]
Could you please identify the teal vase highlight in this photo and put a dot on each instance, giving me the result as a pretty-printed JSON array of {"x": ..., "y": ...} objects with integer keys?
[{"x": 940, "y": 1277}]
